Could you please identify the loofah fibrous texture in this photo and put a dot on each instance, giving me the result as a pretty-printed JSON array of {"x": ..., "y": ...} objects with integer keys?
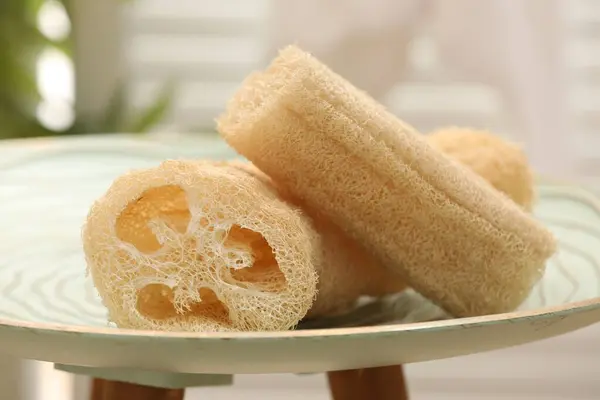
[
  {"x": 446, "y": 231},
  {"x": 502, "y": 163},
  {"x": 197, "y": 247}
]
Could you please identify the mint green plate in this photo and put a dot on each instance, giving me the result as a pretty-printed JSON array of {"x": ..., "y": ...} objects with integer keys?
[{"x": 50, "y": 311}]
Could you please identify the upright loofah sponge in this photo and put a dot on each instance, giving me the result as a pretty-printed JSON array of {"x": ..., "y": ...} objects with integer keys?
[
  {"x": 192, "y": 246},
  {"x": 502, "y": 163},
  {"x": 441, "y": 227}
]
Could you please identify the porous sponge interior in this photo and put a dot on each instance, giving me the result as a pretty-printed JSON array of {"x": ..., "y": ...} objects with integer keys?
[
  {"x": 166, "y": 203},
  {"x": 157, "y": 224},
  {"x": 265, "y": 271},
  {"x": 156, "y": 301}
]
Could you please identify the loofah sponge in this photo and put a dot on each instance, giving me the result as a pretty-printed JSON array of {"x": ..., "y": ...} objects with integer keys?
[
  {"x": 502, "y": 163},
  {"x": 447, "y": 232},
  {"x": 192, "y": 246}
]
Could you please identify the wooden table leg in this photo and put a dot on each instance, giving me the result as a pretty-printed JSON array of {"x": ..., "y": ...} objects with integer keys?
[
  {"x": 112, "y": 390},
  {"x": 382, "y": 383}
]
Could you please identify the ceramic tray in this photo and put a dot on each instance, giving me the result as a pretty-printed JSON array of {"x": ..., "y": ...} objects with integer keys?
[{"x": 50, "y": 311}]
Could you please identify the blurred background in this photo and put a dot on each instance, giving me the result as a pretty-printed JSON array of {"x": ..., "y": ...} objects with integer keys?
[{"x": 529, "y": 71}]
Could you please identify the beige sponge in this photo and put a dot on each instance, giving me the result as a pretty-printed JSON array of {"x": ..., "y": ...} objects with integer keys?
[
  {"x": 192, "y": 246},
  {"x": 502, "y": 163},
  {"x": 447, "y": 232}
]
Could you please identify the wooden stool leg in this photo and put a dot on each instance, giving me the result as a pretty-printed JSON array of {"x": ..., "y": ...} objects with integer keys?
[
  {"x": 112, "y": 390},
  {"x": 97, "y": 389},
  {"x": 382, "y": 383}
]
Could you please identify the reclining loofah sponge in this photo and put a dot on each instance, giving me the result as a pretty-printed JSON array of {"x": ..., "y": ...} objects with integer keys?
[
  {"x": 207, "y": 246},
  {"x": 448, "y": 233},
  {"x": 502, "y": 163}
]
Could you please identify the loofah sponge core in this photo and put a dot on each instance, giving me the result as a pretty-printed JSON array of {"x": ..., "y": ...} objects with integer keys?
[{"x": 192, "y": 246}]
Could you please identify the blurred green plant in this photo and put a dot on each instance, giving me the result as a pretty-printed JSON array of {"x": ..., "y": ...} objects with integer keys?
[{"x": 21, "y": 42}]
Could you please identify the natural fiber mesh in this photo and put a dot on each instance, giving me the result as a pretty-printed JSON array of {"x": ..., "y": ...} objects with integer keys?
[
  {"x": 446, "y": 231},
  {"x": 346, "y": 269},
  {"x": 502, "y": 163},
  {"x": 191, "y": 246}
]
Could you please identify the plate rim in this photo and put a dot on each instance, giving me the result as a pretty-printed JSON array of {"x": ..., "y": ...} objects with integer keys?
[{"x": 366, "y": 331}]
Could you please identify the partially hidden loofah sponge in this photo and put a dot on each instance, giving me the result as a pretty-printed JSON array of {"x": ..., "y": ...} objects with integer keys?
[
  {"x": 192, "y": 246},
  {"x": 502, "y": 163},
  {"x": 447, "y": 232}
]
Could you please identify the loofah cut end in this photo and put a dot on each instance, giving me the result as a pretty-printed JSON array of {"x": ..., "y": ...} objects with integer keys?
[{"x": 192, "y": 246}]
